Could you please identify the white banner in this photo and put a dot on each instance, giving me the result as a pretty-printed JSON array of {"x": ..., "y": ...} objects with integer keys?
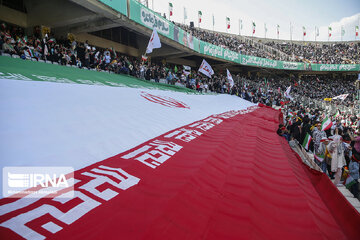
[
  {"x": 154, "y": 42},
  {"x": 206, "y": 69},
  {"x": 287, "y": 93},
  {"x": 187, "y": 70},
  {"x": 229, "y": 77},
  {"x": 341, "y": 97}
]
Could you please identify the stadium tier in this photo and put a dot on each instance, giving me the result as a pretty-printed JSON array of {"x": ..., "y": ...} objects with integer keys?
[{"x": 117, "y": 123}]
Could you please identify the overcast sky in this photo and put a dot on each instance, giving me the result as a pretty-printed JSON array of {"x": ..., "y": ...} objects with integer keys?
[{"x": 307, "y": 13}]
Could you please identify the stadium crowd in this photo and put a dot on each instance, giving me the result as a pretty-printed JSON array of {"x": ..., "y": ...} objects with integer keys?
[
  {"x": 335, "y": 147},
  {"x": 229, "y": 42},
  {"x": 334, "y": 53},
  {"x": 335, "y": 143}
]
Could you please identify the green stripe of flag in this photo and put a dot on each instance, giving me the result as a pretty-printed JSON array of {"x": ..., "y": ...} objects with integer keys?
[
  {"x": 307, "y": 141},
  {"x": 319, "y": 157}
]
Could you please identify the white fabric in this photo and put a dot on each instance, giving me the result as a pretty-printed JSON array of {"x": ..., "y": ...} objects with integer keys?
[
  {"x": 206, "y": 69},
  {"x": 154, "y": 42},
  {"x": 341, "y": 97},
  {"x": 187, "y": 70},
  {"x": 229, "y": 77},
  {"x": 337, "y": 153},
  {"x": 287, "y": 93},
  {"x": 75, "y": 125}
]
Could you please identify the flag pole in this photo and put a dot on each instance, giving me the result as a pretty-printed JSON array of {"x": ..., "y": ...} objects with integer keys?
[
  {"x": 240, "y": 26},
  {"x": 358, "y": 26},
  {"x": 213, "y": 21},
  {"x": 252, "y": 35},
  {"x": 226, "y": 24},
  {"x": 265, "y": 29}
]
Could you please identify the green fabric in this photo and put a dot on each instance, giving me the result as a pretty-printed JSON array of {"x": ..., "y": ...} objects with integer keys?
[
  {"x": 18, "y": 69},
  {"x": 118, "y": 5}
]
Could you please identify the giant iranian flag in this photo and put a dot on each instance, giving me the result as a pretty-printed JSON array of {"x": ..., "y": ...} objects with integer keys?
[{"x": 155, "y": 163}]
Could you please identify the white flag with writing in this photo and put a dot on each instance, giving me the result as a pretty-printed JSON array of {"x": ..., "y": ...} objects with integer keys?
[
  {"x": 287, "y": 93},
  {"x": 341, "y": 97},
  {"x": 229, "y": 77},
  {"x": 187, "y": 70},
  {"x": 154, "y": 42},
  {"x": 206, "y": 69}
]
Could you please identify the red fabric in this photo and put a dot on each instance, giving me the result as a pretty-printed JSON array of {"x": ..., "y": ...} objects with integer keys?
[{"x": 237, "y": 180}]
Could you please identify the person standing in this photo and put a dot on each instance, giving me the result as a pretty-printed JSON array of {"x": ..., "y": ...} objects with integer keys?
[
  {"x": 317, "y": 135},
  {"x": 321, "y": 151},
  {"x": 336, "y": 150}
]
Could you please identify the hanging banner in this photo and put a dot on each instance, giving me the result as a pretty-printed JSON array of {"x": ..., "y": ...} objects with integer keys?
[
  {"x": 211, "y": 50},
  {"x": 260, "y": 62},
  {"x": 335, "y": 67},
  {"x": 148, "y": 18},
  {"x": 219, "y": 52},
  {"x": 119, "y": 5}
]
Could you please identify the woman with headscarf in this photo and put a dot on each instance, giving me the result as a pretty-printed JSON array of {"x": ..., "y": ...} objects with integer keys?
[{"x": 336, "y": 149}]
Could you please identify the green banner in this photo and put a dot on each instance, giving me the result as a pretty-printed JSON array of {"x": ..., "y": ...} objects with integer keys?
[
  {"x": 291, "y": 65},
  {"x": 268, "y": 63},
  {"x": 211, "y": 50},
  {"x": 148, "y": 18},
  {"x": 335, "y": 67},
  {"x": 219, "y": 52},
  {"x": 259, "y": 62},
  {"x": 118, "y": 5},
  {"x": 232, "y": 56}
]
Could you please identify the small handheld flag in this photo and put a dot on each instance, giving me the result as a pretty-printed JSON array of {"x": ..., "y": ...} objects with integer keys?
[
  {"x": 326, "y": 124},
  {"x": 307, "y": 141}
]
